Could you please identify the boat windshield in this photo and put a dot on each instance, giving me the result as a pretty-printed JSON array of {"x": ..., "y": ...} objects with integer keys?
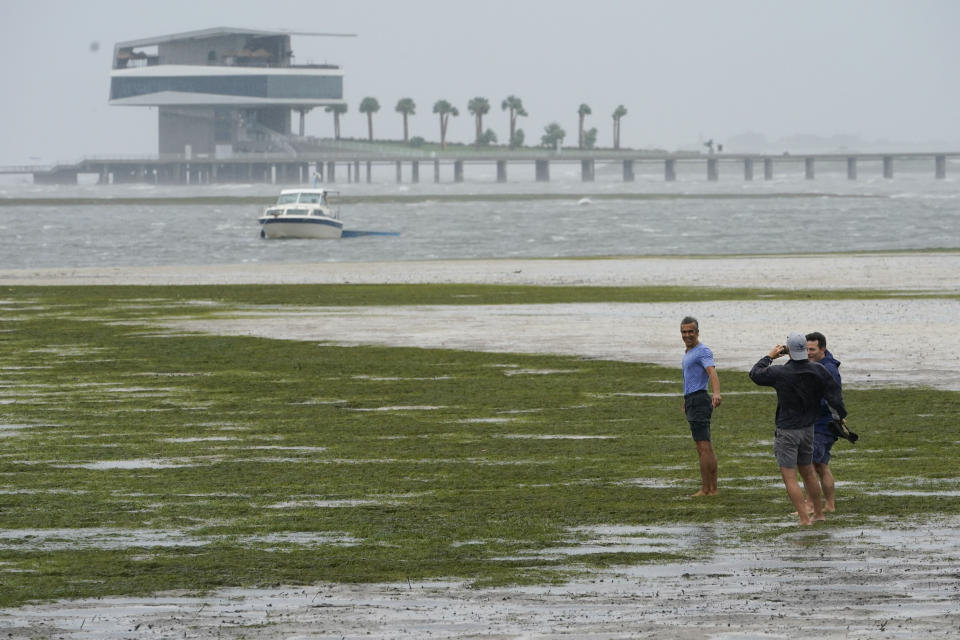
[
  {"x": 287, "y": 198},
  {"x": 312, "y": 198}
]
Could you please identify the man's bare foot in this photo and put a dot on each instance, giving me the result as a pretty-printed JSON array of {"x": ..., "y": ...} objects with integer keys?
[
  {"x": 820, "y": 519},
  {"x": 829, "y": 508},
  {"x": 701, "y": 493},
  {"x": 809, "y": 513}
]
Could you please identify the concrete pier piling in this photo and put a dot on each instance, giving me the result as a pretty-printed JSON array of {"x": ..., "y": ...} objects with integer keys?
[
  {"x": 670, "y": 170},
  {"x": 501, "y": 170},
  {"x": 542, "y": 170},
  {"x": 586, "y": 170}
]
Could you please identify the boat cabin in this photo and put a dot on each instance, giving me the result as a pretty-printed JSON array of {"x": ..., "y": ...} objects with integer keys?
[{"x": 303, "y": 196}]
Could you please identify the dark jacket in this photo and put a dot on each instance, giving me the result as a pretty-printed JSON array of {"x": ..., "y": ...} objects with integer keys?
[
  {"x": 800, "y": 385},
  {"x": 833, "y": 366}
]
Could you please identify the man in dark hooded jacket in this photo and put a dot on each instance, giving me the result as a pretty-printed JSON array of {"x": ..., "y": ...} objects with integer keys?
[{"x": 800, "y": 386}]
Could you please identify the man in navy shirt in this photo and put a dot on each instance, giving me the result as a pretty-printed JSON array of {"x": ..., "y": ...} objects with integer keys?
[
  {"x": 699, "y": 368},
  {"x": 800, "y": 386},
  {"x": 823, "y": 438}
]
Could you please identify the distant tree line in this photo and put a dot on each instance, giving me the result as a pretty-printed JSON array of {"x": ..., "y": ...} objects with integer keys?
[{"x": 553, "y": 133}]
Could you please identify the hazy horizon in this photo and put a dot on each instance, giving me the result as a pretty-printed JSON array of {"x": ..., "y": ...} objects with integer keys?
[{"x": 743, "y": 72}]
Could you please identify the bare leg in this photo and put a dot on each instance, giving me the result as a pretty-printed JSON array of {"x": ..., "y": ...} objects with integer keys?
[
  {"x": 708, "y": 469},
  {"x": 827, "y": 485},
  {"x": 795, "y": 493},
  {"x": 812, "y": 485},
  {"x": 808, "y": 507}
]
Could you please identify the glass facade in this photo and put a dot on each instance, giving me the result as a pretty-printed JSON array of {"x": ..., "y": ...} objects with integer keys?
[{"x": 262, "y": 86}]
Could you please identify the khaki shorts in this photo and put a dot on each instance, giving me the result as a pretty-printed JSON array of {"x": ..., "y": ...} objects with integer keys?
[{"x": 793, "y": 447}]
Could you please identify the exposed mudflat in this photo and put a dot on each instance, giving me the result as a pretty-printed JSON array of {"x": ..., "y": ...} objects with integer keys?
[
  {"x": 891, "y": 580},
  {"x": 895, "y": 580}
]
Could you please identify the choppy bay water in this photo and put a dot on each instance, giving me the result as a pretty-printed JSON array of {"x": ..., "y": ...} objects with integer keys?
[{"x": 688, "y": 217}]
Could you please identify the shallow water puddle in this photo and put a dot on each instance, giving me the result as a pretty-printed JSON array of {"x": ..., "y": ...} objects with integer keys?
[
  {"x": 172, "y": 374},
  {"x": 144, "y": 463},
  {"x": 556, "y": 436},
  {"x": 399, "y": 378},
  {"x": 538, "y": 372},
  {"x": 625, "y": 539},
  {"x": 201, "y": 439},
  {"x": 20, "y": 427},
  {"x": 46, "y": 540},
  {"x": 655, "y": 483},
  {"x": 333, "y": 504},
  {"x": 68, "y": 350},
  {"x": 303, "y": 449},
  {"x": 399, "y": 408}
]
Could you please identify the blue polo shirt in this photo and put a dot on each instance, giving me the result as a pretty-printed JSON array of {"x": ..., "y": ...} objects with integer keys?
[{"x": 695, "y": 363}]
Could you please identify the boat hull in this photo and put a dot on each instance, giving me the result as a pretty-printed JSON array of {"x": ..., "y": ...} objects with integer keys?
[{"x": 300, "y": 227}]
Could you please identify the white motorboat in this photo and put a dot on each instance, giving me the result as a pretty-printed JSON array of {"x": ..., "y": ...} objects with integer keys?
[{"x": 301, "y": 213}]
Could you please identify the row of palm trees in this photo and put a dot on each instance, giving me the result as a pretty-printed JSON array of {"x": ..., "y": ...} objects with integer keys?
[{"x": 479, "y": 107}]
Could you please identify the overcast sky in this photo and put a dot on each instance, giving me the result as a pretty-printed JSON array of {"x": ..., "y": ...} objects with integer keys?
[{"x": 686, "y": 70}]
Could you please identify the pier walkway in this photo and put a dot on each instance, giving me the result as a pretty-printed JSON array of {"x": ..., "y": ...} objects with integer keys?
[{"x": 357, "y": 165}]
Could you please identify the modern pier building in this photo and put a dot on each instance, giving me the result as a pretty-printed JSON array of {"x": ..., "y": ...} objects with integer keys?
[
  {"x": 228, "y": 99},
  {"x": 223, "y": 91}
]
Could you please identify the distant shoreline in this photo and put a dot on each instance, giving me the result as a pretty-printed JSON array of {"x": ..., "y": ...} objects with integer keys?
[{"x": 417, "y": 198}]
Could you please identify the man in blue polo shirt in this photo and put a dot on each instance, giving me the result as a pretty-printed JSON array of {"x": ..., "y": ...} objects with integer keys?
[{"x": 698, "y": 405}]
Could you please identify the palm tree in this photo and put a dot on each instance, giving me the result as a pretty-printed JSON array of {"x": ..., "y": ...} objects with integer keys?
[
  {"x": 407, "y": 107},
  {"x": 445, "y": 110},
  {"x": 583, "y": 112},
  {"x": 618, "y": 113},
  {"x": 515, "y": 105},
  {"x": 479, "y": 107},
  {"x": 553, "y": 135},
  {"x": 369, "y": 106},
  {"x": 590, "y": 138},
  {"x": 336, "y": 110}
]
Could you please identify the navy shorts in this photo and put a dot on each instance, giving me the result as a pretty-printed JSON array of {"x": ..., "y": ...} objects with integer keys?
[
  {"x": 822, "y": 443},
  {"x": 699, "y": 407}
]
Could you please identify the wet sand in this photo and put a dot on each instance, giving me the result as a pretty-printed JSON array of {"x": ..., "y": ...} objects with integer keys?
[
  {"x": 869, "y": 582},
  {"x": 880, "y": 342},
  {"x": 938, "y": 271}
]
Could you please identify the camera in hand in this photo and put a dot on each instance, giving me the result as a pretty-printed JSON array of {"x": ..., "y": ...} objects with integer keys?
[
  {"x": 841, "y": 430},
  {"x": 784, "y": 350}
]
